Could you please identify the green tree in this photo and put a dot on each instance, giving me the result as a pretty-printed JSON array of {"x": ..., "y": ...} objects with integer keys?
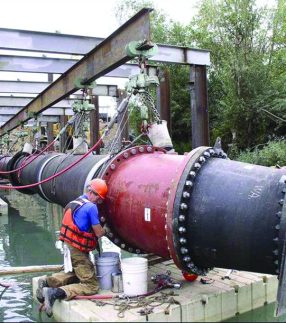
[
  {"x": 231, "y": 29},
  {"x": 247, "y": 78}
]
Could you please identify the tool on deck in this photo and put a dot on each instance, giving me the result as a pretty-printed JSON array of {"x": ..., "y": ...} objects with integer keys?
[
  {"x": 227, "y": 275},
  {"x": 165, "y": 281}
]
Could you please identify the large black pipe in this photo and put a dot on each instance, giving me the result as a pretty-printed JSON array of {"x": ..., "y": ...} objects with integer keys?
[
  {"x": 61, "y": 189},
  {"x": 233, "y": 216}
]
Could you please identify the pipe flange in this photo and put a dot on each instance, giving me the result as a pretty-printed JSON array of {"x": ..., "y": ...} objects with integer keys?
[
  {"x": 13, "y": 177},
  {"x": 107, "y": 172},
  {"x": 280, "y": 227},
  {"x": 181, "y": 206}
]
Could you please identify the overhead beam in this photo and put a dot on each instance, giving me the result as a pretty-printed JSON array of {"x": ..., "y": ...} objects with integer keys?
[
  {"x": 38, "y": 87},
  {"x": 49, "y": 112},
  {"x": 9, "y": 101},
  {"x": 59, "y": 111},
  {"x": 12, "y": 63},
  {"x": 105, "y": 57},
  {"x": 16, "y": 39},
  {"x": 181, "y": 55},
  {"x": 44, "y": 118},
  {"x": 72, "y": 44}
]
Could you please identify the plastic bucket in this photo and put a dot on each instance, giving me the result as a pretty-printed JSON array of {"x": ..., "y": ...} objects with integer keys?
[
  {"x": 134, "y": 275},
  {"x": 106, "y": 264},
  {"x": 117, "y": 283}
]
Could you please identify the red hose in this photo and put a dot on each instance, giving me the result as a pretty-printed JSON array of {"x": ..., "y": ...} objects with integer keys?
[
  {"x": 97, "y": 296},
  {"x": 57, "y": 174},
  {"x": 26, "y": 164}
]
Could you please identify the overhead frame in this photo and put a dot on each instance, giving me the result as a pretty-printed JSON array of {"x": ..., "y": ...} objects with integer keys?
[
  {"x": 65, "y": 44},
  {"x": 108, "y": 55}
]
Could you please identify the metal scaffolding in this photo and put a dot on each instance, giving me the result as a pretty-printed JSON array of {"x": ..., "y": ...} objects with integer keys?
[{"x": 92, "y": 58}]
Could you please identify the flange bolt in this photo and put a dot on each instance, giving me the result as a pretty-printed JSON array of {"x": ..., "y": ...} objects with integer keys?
[
  {"x": 182, "y": 218},
  {"x": 182, "y": 229}
]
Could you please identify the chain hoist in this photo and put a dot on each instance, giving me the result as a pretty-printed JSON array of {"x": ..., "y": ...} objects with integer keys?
[
  {"x": 140, "y": 84},
  {"x": 36, "y": 132},
  {"x": 82, "y": 107},
  {"x": 138, "y": 88}
]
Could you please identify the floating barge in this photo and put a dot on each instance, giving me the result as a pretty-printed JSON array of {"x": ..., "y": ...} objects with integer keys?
[{"x": 221, "y": 298}]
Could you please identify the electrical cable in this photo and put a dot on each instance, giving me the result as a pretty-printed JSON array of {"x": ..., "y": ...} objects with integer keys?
[
  {"x": 119, "y": 131},
  {"x": 59, "y": 173},
  {"x": 72, "y": 131},
  {"x": 14, "y": 143},
  {"x": 26, "y": 164},
  {"x": 36, "y": 153}
]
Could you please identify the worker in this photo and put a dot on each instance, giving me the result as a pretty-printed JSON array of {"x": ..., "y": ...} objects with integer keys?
[{"x": 80, "y": 232}]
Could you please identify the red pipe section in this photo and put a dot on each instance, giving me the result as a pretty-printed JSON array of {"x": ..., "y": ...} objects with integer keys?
[{"x": 139, "y": 206}]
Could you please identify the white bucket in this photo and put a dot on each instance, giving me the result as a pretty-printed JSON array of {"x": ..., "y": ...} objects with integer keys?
[{"x": 134, "y": 275}]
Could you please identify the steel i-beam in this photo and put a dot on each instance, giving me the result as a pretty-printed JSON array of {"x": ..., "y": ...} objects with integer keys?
[{"x": 105, "y": 57}]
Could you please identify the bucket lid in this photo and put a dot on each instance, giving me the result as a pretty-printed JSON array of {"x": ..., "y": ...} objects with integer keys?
[{"x": 134, "y": 261}]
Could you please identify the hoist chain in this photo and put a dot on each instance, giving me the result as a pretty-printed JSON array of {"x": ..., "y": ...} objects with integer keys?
[
  {"x": 147, "y": 99},
  {"x": 138, "y": 87}
]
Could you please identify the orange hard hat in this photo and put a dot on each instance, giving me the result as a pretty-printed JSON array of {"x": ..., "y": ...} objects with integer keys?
[{"x": 98, "y": 186}]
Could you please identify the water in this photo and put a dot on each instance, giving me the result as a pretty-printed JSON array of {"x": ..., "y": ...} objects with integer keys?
[
  {"x": 263, "y": 314},
  {"x": 27, "y": 237}
]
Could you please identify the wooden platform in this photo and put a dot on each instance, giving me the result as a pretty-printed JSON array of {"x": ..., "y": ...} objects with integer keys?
[{"x": 197, "y": 302}]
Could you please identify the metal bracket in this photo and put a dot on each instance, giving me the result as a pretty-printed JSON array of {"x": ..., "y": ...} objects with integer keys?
[
  {"x": 80, "y": 84},
  {"x": 32, "y": 115},
  {"x": 142, "y": 48}
]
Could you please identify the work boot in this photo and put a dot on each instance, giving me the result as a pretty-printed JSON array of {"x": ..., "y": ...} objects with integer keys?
[
  {"x": 42, "y": 282},
  {"x": 51, "y": 295}
]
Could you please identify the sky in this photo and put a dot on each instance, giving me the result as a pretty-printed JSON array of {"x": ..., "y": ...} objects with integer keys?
[
  {"x": 81, "y": 17},
  {"x": 84, "y": 17}
]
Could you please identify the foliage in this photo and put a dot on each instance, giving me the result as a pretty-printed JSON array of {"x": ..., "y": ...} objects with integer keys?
[
  {"x": 244, "y": 82},
  {"x": 247, "y": 77},
  {"x": 272, "y": 154}
]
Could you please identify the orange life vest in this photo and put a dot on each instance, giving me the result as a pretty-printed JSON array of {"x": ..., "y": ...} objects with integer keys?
[{"x": 70, "y": 233}]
